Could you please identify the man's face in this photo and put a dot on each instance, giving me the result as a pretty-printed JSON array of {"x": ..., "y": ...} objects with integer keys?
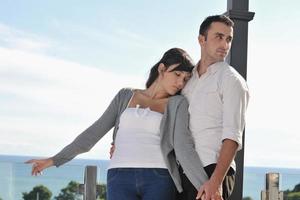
[{"x": 217, "y": 43}]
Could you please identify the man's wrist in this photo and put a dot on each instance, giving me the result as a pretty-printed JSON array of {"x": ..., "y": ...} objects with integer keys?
[{"x": 218, "y": 180}]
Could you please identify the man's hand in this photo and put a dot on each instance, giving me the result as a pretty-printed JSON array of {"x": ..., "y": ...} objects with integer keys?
[{"x": 210, "y": 190}]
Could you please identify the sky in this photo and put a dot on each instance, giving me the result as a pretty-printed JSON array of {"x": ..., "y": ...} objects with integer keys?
[{"x": 61, "y": 62}]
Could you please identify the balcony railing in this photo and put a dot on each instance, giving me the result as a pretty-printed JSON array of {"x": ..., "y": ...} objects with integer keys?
[{"x": 16, "y": 179}]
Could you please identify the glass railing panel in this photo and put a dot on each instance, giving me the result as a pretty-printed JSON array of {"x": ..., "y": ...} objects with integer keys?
[{"x": 15, "y": 177}]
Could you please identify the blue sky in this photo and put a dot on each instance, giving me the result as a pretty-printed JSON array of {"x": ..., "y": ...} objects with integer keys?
[{"x": 61, "y": 62}]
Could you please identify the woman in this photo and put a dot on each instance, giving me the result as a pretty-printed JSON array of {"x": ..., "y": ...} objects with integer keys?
[{"x": 151, "y": 136}]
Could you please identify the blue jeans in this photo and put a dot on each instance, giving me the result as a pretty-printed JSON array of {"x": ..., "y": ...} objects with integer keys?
[{"x": 140, "y": 184}]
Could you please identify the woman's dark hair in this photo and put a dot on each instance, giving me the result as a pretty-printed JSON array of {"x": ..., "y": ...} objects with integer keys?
[{"x": 171, "y": 57}]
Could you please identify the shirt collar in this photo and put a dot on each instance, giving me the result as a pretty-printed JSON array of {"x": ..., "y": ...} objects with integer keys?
[{"x": 213, "y": 68}]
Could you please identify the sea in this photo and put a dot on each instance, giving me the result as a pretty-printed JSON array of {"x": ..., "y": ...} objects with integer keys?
[{"x": 15, "y": 177}]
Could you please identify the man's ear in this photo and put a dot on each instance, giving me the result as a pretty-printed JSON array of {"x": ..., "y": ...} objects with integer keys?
[
  {"x": 161, "y": 68},
  {"x": 201, "y": 39}
]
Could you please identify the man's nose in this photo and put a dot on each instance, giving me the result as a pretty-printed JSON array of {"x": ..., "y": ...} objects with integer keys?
[{"x": 225, "y": 44}]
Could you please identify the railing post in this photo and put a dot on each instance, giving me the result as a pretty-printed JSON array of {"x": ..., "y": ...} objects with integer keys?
[
  {"x": 272, "y": 188},
  {"x": 90, "y": 177}
]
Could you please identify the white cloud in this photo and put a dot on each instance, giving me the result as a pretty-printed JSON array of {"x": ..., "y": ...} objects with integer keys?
[
  {"x": 271, "y": 148},
  {"x": 272, "y": 128},
  {"x": 51, "y": 101},
  {"x": 14, "y": 38},
  {"x": 45, "y": 101},
  {"x": 112, "y": 32}
]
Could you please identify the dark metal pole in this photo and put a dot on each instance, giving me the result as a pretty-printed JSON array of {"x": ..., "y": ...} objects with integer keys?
[{"x": 237, "y": 10}]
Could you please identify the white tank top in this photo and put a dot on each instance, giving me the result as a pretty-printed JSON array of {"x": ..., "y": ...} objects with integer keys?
[{"x": 137, "y": 143}]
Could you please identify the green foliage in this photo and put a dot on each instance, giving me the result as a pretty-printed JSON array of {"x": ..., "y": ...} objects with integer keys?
[
  {"x": 293, "y": 196},
  {"x": 102, "y": 193},
  {"x": 41, "y": 191},
  {"x": 69, "y": 192},
  {"x": 247, "y": 198},
  {"x": 296, "y": 188}
]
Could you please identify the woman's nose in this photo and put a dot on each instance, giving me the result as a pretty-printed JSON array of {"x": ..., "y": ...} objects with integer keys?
[{"x": 180, "y": 83}]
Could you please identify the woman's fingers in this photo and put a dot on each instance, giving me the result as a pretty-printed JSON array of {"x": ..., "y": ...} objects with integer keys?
[
  {"x": 37, "y": 166},
  {"x": 35, "y": 169},
  {"x": 30, "y": 161},
  {"x": 33, "y": 162},
  {"x": 111, "y": 151}
]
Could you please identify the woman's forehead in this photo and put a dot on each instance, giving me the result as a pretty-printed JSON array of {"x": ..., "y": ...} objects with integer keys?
[{"x": 172, "y": 67}]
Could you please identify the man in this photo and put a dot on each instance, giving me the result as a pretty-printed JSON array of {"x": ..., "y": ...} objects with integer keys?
[{"x": 218, "y": 98}]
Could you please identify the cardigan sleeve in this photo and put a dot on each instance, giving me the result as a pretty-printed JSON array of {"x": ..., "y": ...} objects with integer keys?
[
  {"x": 184, "y": 147},
  {"x": 88, "y": 138}
]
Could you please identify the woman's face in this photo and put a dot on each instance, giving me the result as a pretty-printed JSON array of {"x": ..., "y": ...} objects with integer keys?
[{"x": 174, "y": 81}]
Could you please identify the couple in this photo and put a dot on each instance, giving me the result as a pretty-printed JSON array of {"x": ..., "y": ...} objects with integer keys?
[{"x": 165, "y": 142}]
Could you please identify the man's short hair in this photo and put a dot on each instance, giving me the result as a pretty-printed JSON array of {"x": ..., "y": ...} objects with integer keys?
[{"x": 214, "y": 18}]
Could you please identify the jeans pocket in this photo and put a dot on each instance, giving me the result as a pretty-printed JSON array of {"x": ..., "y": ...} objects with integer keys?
[
  {"x": 112, "y": 174},
  {"x": 161, "y": 173}
]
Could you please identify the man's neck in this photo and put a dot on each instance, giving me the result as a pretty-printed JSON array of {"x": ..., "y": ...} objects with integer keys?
[{"x": 203, "y": 65}]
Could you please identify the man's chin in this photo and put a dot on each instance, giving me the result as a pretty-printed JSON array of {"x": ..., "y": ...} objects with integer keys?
[{"x": 220, "y": 59}]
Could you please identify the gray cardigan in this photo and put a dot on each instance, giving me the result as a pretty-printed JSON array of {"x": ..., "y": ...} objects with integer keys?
[{"x": 176, "y": 141}]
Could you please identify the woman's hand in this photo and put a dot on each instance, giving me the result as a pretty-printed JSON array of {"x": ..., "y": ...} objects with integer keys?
[
  {"x": 38, "y": 165},
  {"x": 111, "y": 150}
]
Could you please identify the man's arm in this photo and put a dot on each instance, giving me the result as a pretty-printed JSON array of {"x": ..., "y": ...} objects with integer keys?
[
  {"x": 212, "y": 188},
  {"x": 235, "y": 99}
]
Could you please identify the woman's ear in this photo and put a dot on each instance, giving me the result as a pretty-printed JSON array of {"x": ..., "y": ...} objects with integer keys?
[{"x": 161, "y": 68}]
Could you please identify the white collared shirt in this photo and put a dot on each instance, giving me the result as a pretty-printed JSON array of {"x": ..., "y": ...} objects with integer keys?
[{"x": 217, "y": 104}]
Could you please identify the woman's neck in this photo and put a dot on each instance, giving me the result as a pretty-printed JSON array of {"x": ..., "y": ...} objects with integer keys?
[{"x": 155, "y": 91}]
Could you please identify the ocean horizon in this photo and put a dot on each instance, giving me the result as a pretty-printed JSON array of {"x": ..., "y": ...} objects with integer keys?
[{"x": 15, "y": 176}]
